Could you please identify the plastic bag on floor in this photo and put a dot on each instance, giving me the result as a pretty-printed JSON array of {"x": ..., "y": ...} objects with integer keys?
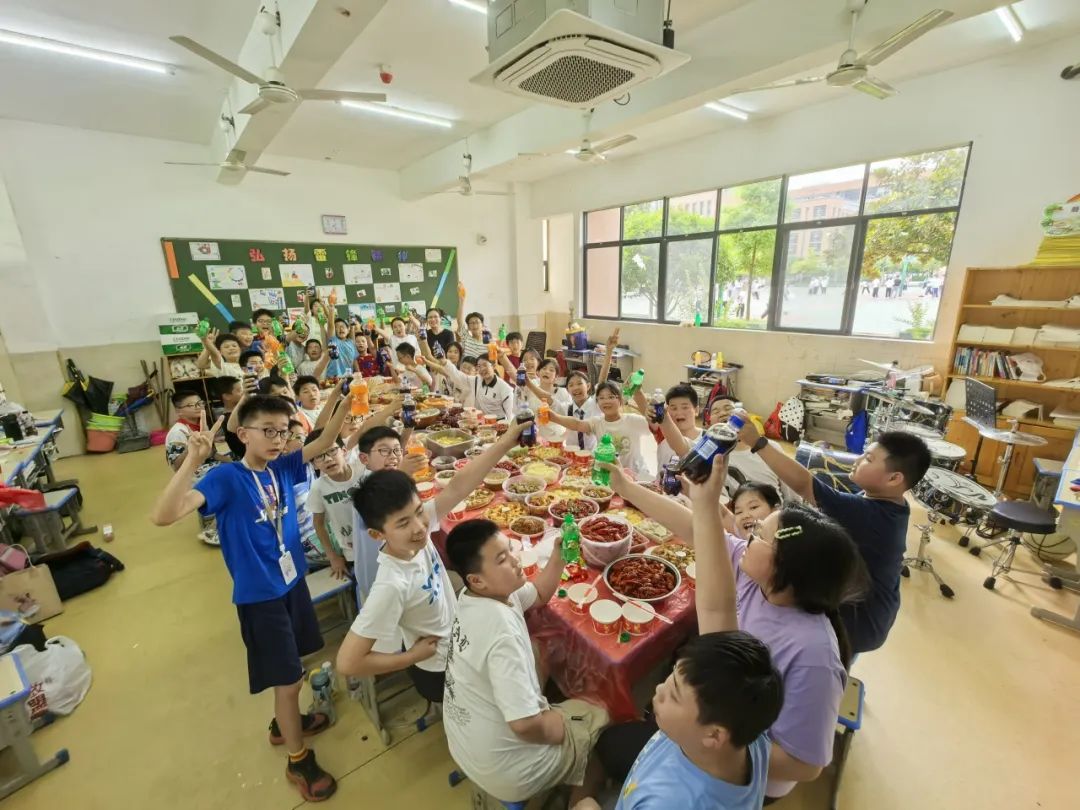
[{"x": 59, "y": 677}]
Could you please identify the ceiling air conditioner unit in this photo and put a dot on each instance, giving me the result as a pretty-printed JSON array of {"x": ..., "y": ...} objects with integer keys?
[{"x": 575, "y": 53}]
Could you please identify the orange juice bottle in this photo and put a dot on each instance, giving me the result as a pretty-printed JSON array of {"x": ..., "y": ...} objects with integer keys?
[
  {"x": 544, "y": 414},
  {"x": 361, "y": 405},
  {"x": 418, "y": 450},
  {"x": 332, "y": 298},
  {"x": 493, "y": 351}
]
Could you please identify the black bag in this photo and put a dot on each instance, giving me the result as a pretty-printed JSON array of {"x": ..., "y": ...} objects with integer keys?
[{"x": 80, "y": 568}]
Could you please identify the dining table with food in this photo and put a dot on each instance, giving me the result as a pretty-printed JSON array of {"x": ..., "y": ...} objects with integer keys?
[{"x": 623, "y": 608}]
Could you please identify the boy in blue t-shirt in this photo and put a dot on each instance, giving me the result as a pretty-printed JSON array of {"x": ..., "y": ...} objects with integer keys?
[
  {"x": 711, "y": 749},
  {"x": 255, "y": 506}
]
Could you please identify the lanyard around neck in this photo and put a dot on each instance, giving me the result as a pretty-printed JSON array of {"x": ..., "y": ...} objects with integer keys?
[{"x": 273, "y": 510}]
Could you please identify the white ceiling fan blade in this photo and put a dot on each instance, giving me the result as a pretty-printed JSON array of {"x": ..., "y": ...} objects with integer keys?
[
  {"x": 184, "y": 163},
  {"x": 875, "y": 87},
  {"x": 492, "y": 193},
  {"x": 217, "y": 59},
  {"x": 614, "y": 143},
  {"x": 780, "y": 85},
  {"x": 258, "y": 104},
  {"x": 261, "y": 170},
  {"x": 236, "y": 156},
  {"x": 904, "y": 37},
  {"x": 339, "y": 95}
]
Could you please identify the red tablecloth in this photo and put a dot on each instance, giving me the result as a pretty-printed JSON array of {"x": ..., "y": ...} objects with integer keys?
[{"x": 585, "y": 664}]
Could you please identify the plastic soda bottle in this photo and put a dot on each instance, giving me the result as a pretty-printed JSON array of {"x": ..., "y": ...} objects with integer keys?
[
  {"x": 287, "y": 366},
  {"x": 408, "y": 411},
  {"x": 418, "y": 451},
  {"x": 528, "y": 435},
  {"x": 361, "y": 404},
  {"x": 275, "y": 327},
  {"x": 603, "y": 454},
  {"x": 657, "y": 406},
  {"x": 502, "y": 333},
  {"x": 544, "y": 416},
  {"x": 697, "y": 319},
  {"x": 493, "y": 351},
  {"x": 203, "y": 329},
  {"x": 717, "y": 440},
  {"x": 380, "y": 313},
  {"x": 571, "y": 541},
  {"x": 634, "y": 383}
]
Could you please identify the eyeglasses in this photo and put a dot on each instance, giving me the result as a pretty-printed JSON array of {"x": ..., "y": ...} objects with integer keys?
[
  {"x": 327, "y": 455},
  {"x": 270, "y": 433},
  {"x": 350, "y": 419},
  {"x": 388, "y": 452},
  {"x": 297, "y": 437},
  {"x": 197, "y": 404}
]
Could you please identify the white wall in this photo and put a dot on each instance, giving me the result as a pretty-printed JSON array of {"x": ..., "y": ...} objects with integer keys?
[
  {"x": 1022, "y": 118},
  {"x": 92, "y": 207}
]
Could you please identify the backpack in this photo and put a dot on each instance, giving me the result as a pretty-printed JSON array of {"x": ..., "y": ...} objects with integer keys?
[
  {"x": 792, "y": 418},
  {"x": 80, "y": 568}
]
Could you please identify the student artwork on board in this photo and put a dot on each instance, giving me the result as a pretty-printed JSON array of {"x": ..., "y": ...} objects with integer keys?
[
  {"x": 272, "y": 298},
  {"x": 296, "y": 275},
  {"x": 365, "y": 312},
  {"x": 226, "y": 276},
  {"x": 410, "y": 273},
  {"x": 419, "y": 307},
  {"x": 387, "y": 293},
  {"x": 338, "y": 290},
  {"x": 205, "y": 251},
  {"x": 432, "y": 255},
  {"x": 357, "y": 274}
]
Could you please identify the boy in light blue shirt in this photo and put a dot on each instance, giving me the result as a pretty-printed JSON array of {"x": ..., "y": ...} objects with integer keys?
[{"x": 710, "y": 749}]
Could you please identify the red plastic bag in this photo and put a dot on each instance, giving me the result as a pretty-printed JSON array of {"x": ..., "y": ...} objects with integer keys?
[
  {"x": 772, "y": 424},
  {"x": 17, "y": 496}
]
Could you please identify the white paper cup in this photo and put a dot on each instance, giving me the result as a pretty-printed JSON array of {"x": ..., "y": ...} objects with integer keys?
[
  {"x": 581, "y": 595},
  {"x": 605, "y": 616},
  {"x": 690, "y": 574},
  {"x": 636, "y": 619},
  {"x": 530, "y": 563}
]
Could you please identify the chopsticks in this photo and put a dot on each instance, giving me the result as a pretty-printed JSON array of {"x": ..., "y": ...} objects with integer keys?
[{"x": 644, "y": 606}]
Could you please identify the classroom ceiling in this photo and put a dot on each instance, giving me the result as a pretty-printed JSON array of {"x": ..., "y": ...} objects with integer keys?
[{"x": 433, "y": 48}]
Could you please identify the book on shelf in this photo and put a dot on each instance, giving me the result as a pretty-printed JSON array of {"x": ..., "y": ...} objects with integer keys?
[{"x": 972, "y": 362}]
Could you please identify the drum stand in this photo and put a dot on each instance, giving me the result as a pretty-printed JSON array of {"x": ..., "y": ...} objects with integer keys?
[{"x": 922, "y": 561}]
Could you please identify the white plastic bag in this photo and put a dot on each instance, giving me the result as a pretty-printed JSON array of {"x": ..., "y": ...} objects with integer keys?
[{"x": 60, "y": 674}]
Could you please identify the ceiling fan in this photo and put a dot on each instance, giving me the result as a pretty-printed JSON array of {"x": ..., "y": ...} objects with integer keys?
[
  {"x": 853, "y": 68},
  {"x": 234, "y": 162},
  {"x": 464, "y": 185},
  {"x": 588, "y": 152},
  {"x": 272, "y": 88}
]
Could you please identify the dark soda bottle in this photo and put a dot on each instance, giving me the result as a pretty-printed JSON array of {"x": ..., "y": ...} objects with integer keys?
[
  {"x": 657, "y": 406},
  {"x": 717, "y": 440},
  {"x": 670, "y": 481},
  {"x": 521, "y": 376},
  {"x": 408, "y": 411},
  {"x": 528, "y": 435},
  {"x": 333, "y": 349}
]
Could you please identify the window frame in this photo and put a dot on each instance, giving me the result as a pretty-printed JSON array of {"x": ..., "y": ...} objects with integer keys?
[{"x": 783, "y": 230}]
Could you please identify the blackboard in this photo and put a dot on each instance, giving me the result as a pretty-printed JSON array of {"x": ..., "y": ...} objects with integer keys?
[{"x": 227, "y": 279}]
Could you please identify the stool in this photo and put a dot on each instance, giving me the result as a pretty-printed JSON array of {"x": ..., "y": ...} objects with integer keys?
[
  {"x": 1047, "y": 477},
  {"x": 15, "y": 730},
  {"x": 849, "y": 721},
  {"x": 50, "y": 527},
  {"x": 1018, "y": 518}
]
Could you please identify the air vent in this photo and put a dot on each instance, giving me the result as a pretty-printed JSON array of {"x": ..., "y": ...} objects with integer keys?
[{"x": 576, "y": 80}]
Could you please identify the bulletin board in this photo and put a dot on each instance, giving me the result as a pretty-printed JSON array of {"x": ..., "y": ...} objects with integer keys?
[{"x": 227, "y": 279}]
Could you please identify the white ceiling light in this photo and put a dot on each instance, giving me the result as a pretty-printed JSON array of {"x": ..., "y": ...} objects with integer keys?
[
  {"x": 1011, "y": 22},
  {"x": 397, "y": 112},
  {"x": 68, "y": 49},
  {"x": 479, "y": 6},
  {"x": 727, "y": 109}
]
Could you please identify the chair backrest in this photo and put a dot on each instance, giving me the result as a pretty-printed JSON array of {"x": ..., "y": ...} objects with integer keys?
[
  {"x": 560, "y": 360},
  {"x": 537, "y": 341}
]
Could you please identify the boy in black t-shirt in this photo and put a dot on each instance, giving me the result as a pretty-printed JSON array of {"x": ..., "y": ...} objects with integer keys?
[{"x": 877, "y": 520}]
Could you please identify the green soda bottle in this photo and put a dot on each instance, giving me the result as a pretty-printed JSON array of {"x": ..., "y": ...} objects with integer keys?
[
  {"x": 697, "y": 319},
  {"x": 571, "y": 541},
  {"x": 300, "y": 327},
  {"x": 502, "y": 333},
  {"x": 203, "y": 329},
  {"x": 634, "y": 383},
  {"x": 603, "y": 454},
  {"x": 287, "y": 366},
  {"x": 276, "y": 328}
]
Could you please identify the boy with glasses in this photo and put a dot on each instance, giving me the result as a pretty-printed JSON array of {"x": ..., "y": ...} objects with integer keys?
[
  {"x": 190, "y": 408},
  {"x": 255, "y": 506}
]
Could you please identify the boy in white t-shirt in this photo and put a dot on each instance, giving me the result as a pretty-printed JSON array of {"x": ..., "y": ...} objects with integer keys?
[
  {"x": 220, "y": 356},
  {"x": 500, "y": 728},
  {"x": 680, "y": 414},
  {"x": 308, "y": 398},
  {"x": 411, "y": 594},
  {"x": 627, "y": 430}
]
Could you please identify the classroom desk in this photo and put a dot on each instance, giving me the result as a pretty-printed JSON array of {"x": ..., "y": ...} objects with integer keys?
[
  {"x": 1068, "y": 523},
  {"x": 30, "y": 459}
]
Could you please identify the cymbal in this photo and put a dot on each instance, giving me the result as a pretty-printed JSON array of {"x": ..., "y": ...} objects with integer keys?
[
  {"x": 899, "y": 402},
  {"x": 1012, "y": 437}
]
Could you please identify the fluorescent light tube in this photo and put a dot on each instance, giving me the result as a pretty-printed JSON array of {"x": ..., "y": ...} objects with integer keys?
[
  {"x": 1011, "y": 22},
  {"x": 727, "y": 109},
  {"x": 68, "y": 49},
  {"x": 479, "y": 6},
  {"x": 397, "y": 112}
]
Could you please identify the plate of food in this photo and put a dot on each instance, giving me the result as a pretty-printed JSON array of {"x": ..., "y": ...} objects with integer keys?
[
  {"x": 674, "y": 552},
  {"x": 518, "y": 487},
  {"x": 642, "y": 578},
  {"x": 527, "y": 526},
  {"x": 541, "y": 469},
  {"x": 538, "y": 503},
  {"x": 580, "y": 508},
  {"x": 656, "y": 532},
  {"x": 577, "y": 482},
  {"x": 502, "y": 514},
  {"x": 629, "y": 514},
  {"x": 479, "y": 498},
  {"x": 545, "y": 453}
]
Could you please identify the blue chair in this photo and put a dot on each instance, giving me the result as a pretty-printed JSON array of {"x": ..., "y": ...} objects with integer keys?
[{"x": 849, "y": 721}]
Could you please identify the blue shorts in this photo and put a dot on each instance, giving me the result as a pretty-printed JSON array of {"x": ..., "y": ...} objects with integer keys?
[{"x": 277, "y": 634}]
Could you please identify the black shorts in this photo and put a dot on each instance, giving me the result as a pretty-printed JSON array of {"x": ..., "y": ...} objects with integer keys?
[
  {"x": 620, "y": 745},
  {"x": 277, "y": 633},
  {"x": 428, "y": 684}
]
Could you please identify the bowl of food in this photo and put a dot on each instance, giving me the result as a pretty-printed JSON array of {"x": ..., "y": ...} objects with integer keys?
[
  {"x": 575, "y": 481},
  {"x": 580, "y": 508},
  {"x": 517, "y": 453},
  {"x": 439, "y": 403},
  {"x": 444, "y": 477},
  {"x": 581, "y": 595},
  {"x": 427, "y": 417},
  {"x": 509, "y": 466},
  {"x": 451, "y": 442},
  {"x": 546, "y": 453},
  {"x": 500, "y": 428},
  {"x": 642, "y": 577},
  {"x": 486, "y": 435},
  {"x": 426, "y": 490},
  {"x": 538, "y": 503},
  {"x": 674, "y": 552},
  {"x": 604, "y": 539},
  {"x": 519, "y": 487},
  {"x": 473, "y": 452},
  {"x": 602, "y": 495},
  {"x": 495, "y": 479},
  {"x": 656, "y": 532},
  {"x": 479, "y": 498},
  {"x": 528, "y": 527},
  {"x": 541, "y": 469},
  {"x": 461, "y": 463},
  {"x": 441, "y": 463},
  {"x": 502, "y": 514}
]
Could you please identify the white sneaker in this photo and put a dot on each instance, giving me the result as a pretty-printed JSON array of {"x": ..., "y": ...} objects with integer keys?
[{"x": 210, "y": 537}]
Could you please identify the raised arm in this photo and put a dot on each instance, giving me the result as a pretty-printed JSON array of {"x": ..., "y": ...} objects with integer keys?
[
  {"x": 605, "y": 369},
  {"x": 319, "y": 372},
  {"x": 328, "y": 409},
  {"x": 330, "y": 432},
  {"x": 570, "y": 422},
  {"x": 461, "y": 308},
  {"x": 665, "y": 511},
  {"x": 178, "y": 499},
  {"x": 715, "y": 595},
  {"x": 539, "y": 392},
  {"x": 472, "y": 475},
  {"x": 787, "y": 469}
]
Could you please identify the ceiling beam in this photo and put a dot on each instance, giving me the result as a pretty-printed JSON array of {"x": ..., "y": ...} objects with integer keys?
[
  {"x": 314, "y": 35},
  {"x": 754, "y": 43}
]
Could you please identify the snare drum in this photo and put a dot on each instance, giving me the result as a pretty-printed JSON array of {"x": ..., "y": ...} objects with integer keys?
[
  {"x": 945, "y": 454},
  {"x": 922, "y": 431},
  {"x": 951, "y": 495}
]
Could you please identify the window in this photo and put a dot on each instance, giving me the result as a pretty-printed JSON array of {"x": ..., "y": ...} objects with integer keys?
[
  {"x": 545, "y": 247},
  {"x": 861, "y": 249}
]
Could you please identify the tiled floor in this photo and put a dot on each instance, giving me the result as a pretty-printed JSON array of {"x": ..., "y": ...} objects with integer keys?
[{"x": 972, "y": 704}]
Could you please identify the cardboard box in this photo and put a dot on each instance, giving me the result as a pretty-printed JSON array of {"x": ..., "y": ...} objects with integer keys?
[{"x": 180, "y": 344}]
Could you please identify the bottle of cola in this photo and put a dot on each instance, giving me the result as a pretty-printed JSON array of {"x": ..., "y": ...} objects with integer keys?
[{"x": 717, "y": 440}]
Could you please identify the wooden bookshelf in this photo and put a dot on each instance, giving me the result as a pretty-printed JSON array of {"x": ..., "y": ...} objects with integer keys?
[{"x": 981, "y": 285}]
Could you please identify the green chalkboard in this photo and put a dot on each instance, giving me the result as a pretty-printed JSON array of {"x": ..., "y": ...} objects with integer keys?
[{"x": 227, "y": 279}]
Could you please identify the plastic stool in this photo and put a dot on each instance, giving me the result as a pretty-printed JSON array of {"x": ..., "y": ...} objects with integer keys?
[
  {"x": 15, "y": 729},
  {"x": 849, "y": 721}
]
